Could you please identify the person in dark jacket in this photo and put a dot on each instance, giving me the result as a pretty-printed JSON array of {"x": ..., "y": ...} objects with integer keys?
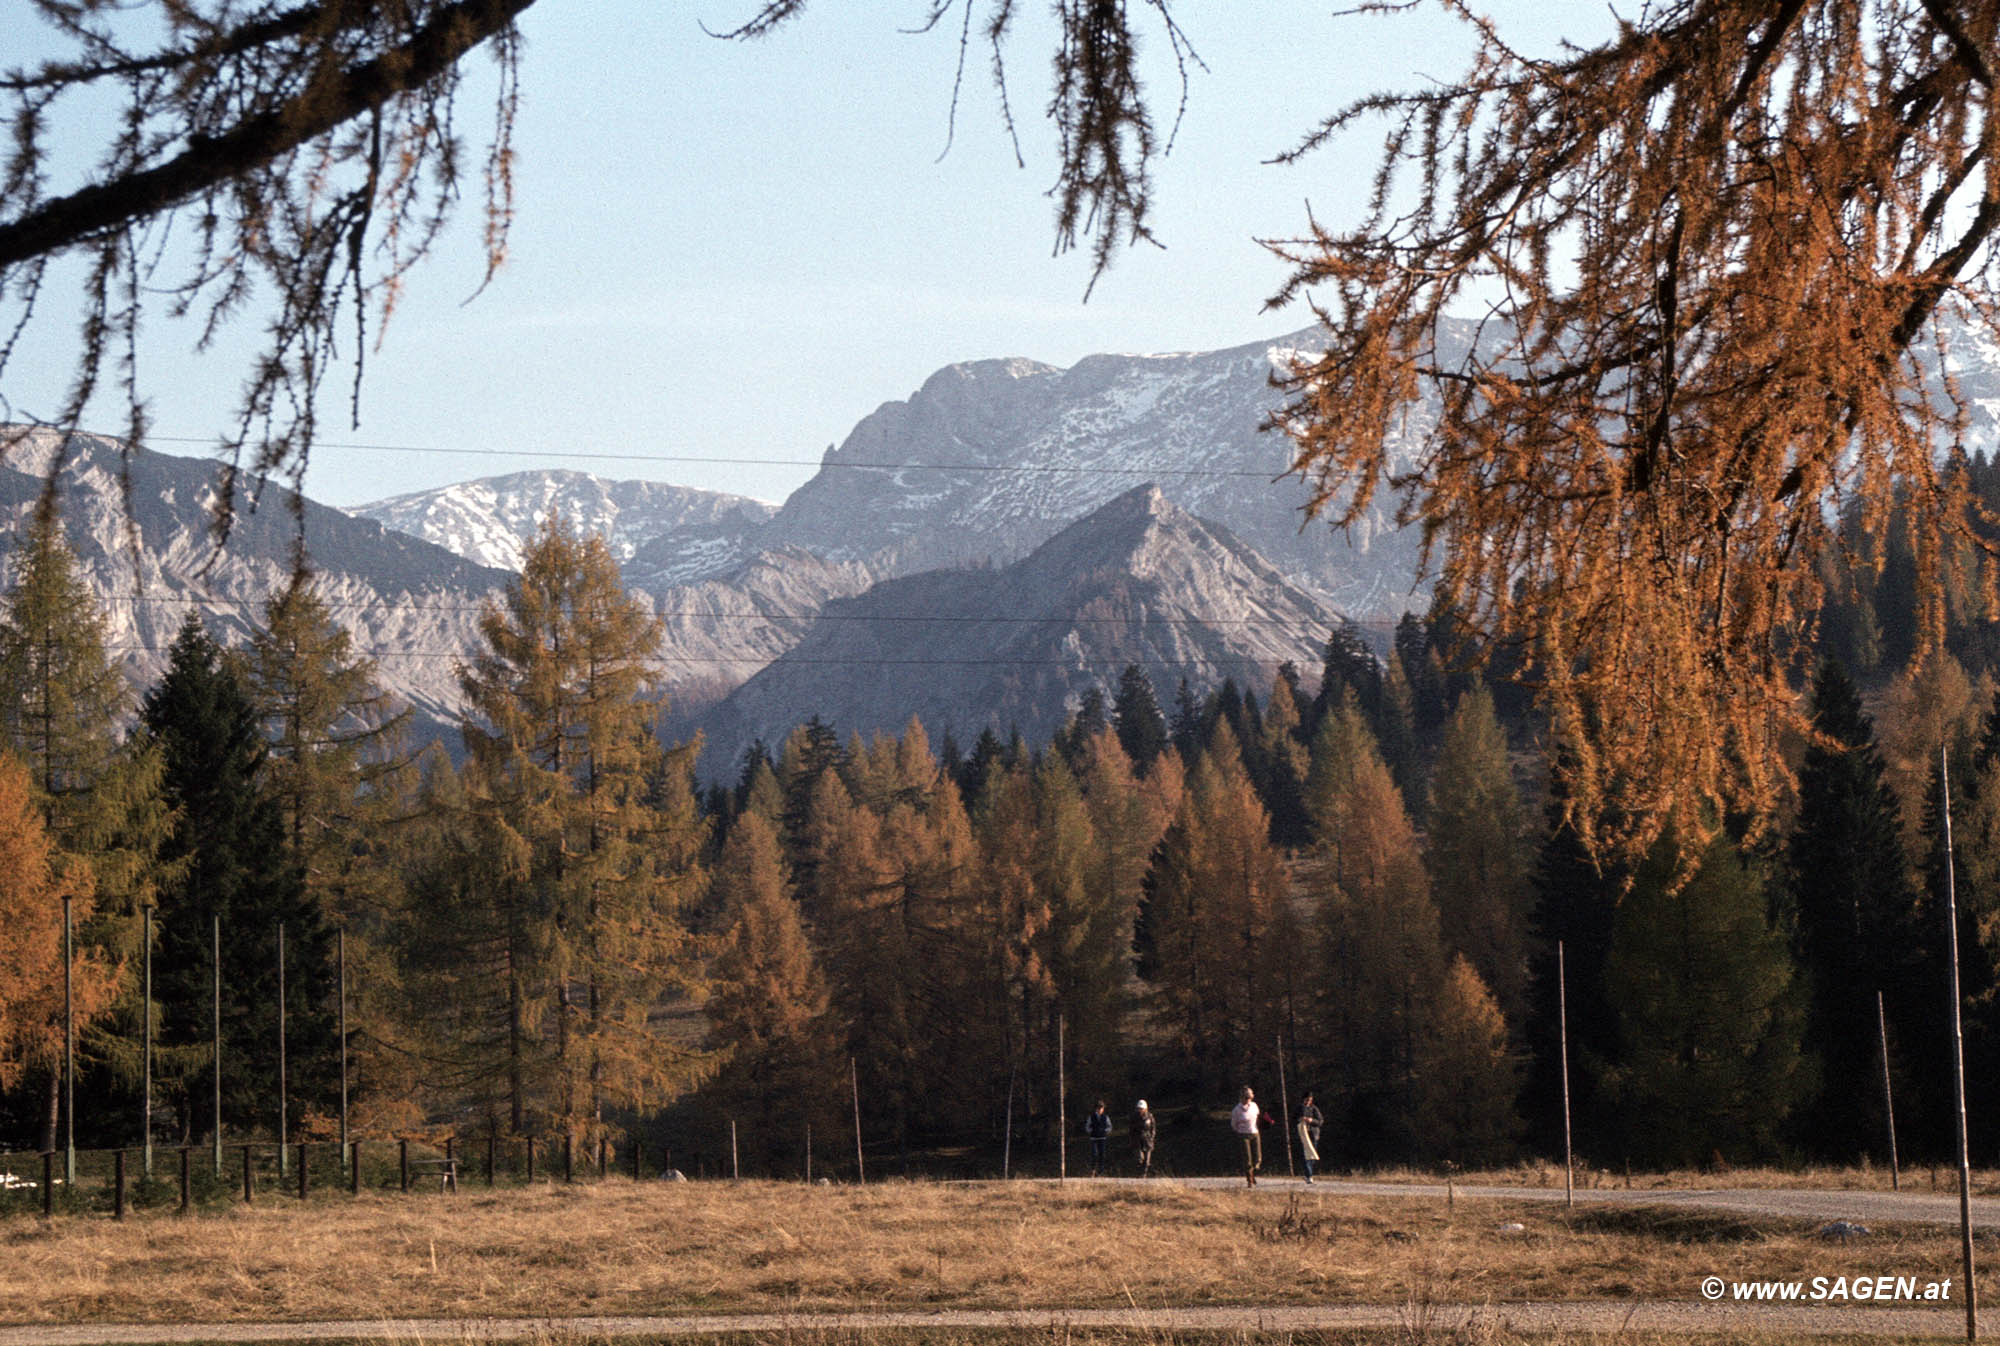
[
  {"x": 1145, "y": 1130},
  {"x": 1098, "y": 1127},
  {"x": 1310, "y": 1122}
]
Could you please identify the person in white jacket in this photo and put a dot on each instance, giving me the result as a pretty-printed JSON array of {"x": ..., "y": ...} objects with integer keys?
[{"x": 1243, "y": 1120}]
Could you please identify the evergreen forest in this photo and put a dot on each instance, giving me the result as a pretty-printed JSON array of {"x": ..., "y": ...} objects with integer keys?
[{"x": 1354, "y": 881}]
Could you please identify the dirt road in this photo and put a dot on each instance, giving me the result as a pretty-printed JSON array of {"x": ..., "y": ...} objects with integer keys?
[{"x": 1554, "y": 1319}]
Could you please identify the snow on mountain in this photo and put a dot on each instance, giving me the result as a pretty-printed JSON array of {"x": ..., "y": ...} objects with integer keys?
[{"x": 489, "y": 521}]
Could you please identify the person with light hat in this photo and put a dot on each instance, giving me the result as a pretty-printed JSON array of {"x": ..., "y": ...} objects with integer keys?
[{"x": 1145, "y": 1129}]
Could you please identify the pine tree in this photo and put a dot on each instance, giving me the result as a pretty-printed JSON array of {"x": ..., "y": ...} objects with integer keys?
[
  {"x": 235, "y": 869},
  {"x": 602, "y": 845}
]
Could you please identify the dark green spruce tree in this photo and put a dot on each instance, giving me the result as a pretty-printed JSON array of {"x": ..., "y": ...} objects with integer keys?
[
  {"x": 1854, "y": 924},
  {"x": 229, "y": 840}
]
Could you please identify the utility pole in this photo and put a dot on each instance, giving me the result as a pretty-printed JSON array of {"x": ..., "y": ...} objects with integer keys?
[
  {"x": 146, "y": 1104},
  {"x": 1958, "y": 1060},
  {"x": 283, "y": 1082},
  {"x": 1062, "y": 1107},
  {"x": 69, "y": 1046},
  {"x": 1562, "y": 1020},
  {"x": 1888, "y": 1096},
  {"x": 340, "y": 961},
  {"x": 215, "y": 950}
]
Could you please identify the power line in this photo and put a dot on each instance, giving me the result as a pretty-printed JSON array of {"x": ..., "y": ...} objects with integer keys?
[
  {"x": 607, "y": 455},
  {"x": 769, "y": 618}
]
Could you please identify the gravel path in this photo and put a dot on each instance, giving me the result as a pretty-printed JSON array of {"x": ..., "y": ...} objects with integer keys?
[
  {"x": 1555, "y": 1319},
  {"x": 1906, "y": 1207}
]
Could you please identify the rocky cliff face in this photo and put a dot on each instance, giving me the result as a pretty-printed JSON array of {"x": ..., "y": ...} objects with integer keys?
[
  {"x": 411, "y": 605},
  {"x": 1139, "y": 581}
]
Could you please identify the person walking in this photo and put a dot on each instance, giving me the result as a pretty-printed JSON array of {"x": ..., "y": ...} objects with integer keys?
[
  {"x": 1243, "y": 1120},
  {"x": 1145, "y": 1130},
  {"x": 1098, "y": 1127},
  {"x": 1310, "y": 1122}
]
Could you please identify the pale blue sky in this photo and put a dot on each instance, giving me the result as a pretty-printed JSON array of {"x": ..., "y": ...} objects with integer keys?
[{"x": 736, "y": 250}]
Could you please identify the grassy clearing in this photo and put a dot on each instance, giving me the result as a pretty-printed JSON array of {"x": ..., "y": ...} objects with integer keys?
[{"x": 656, "y": 1248}]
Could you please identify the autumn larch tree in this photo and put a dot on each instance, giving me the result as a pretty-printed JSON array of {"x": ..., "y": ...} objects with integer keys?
[
  {"x": 64, "y": 703},
  {"x": 1707, "y": 268},
  {"x": 596, "y": 872}
]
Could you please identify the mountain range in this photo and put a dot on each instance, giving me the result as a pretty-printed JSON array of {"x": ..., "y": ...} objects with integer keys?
[{"x": 978, "y": 554}]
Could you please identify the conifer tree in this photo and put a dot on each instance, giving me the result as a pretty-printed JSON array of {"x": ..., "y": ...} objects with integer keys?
[
  {"x": 1708, "y": 1014},
  {"x": 767, "y": 1011},
  {"x": 1211, "y": 898},
  {"x": 34, "y": 880},
  {"x": 602, "y": 847},
  {"x": 1853, "y": 914},
  {"x": 63, "y": 706},
  {"x": 229, "y": 841},
  {"x": 1380, "y": 958},
  {"x": 1135, "y": 712},
  {"x": 1465, "y": 1074},
  {"x": 1477, "y": 853}
]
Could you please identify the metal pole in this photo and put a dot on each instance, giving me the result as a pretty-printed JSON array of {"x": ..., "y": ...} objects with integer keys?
[
  {"x": 146, "y": 1103},
  {"x": 283, "y": 1081},
  {"x": 854, "y": 1082},
  {"x": 69, "y": 1047},
  {"x": 1062, "y": 1105},
  {"x": 1007, "y": 1141},
  {"x": 1285, "y": 1108},
  {"x": 1958, "y": 1062},
  {"x": 340, "y": 961},
  {"x": 1888, "y": 1098},
  {"x": 1562, "y": 1020},
  {"x": 215, "y": 934}
]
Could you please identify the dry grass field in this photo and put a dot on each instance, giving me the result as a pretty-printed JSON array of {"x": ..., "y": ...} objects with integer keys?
[{"x": 659, "y": 1248}]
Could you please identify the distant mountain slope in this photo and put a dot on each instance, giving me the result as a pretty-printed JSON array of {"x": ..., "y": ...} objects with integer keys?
[
  {"x": 1138, "y": 581},
  {"x": 412, "y": 605},
  {"x": 489, "y": 520}
]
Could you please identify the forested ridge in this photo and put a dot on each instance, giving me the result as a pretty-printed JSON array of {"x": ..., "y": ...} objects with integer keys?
[{"x": 1357, "y": 875}]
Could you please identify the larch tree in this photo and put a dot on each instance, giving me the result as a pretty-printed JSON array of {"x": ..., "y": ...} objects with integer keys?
[
  {"x": 1708, "y": 268},
  {"x": 34, "y": 880},
  {"x": 64, "y": 704},
  {"x": 1477, "y": 850},
  {"x": 562, "y": 758},
  {"x": 1466, "y": 1079},
  {"x": 767, "y": 1009}
]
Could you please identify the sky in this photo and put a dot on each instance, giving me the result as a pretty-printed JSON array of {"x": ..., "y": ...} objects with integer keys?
[{"x": 727, "y": 253}]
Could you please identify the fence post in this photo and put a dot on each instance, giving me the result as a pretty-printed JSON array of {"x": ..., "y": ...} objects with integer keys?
[
  {"x": 48, "y": 1184},
  {"x": 118, "y": 1184},
  {"x": 187, "y": 1182},
  {"x": 735, "y": 1173},
  {"x": 249, "y": 1190},
  {"x": 403, "y": 1161},
  {"x": 302, "y": 1170},
  {"x": 451, "y": 1163}
]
